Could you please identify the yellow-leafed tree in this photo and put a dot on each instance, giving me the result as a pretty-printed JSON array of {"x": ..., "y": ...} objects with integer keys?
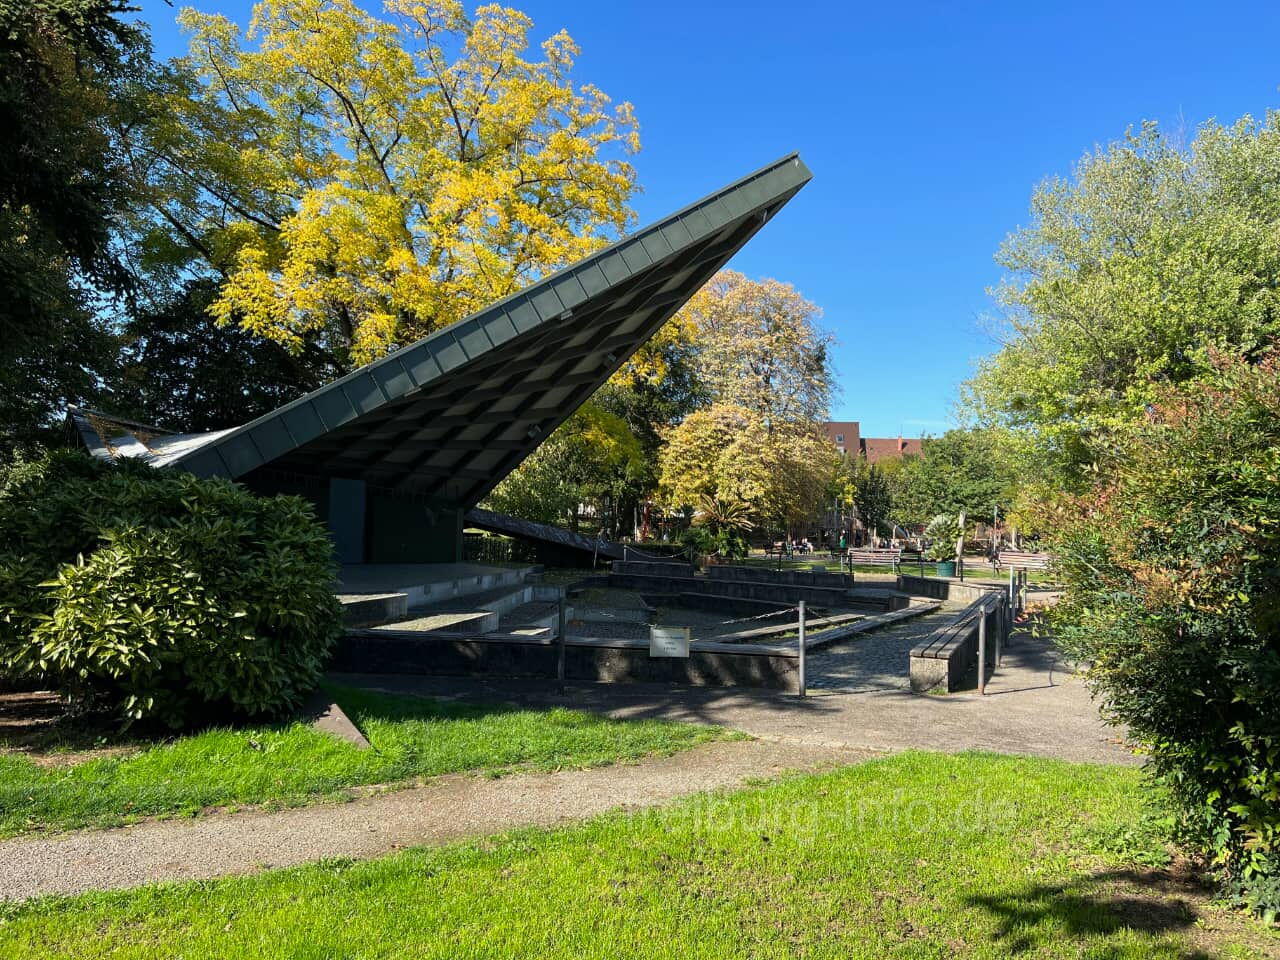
[{"x": 359, "y": 181}]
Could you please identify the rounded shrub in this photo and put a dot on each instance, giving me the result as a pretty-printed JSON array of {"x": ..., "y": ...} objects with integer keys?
[{"x": 155, "y": 594}]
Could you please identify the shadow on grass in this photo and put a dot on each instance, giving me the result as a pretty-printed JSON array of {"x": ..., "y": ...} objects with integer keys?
[
  {"x": 38, "y": 725},
  {"x": 638, "y": 701},
  {"x": 1093, "y": 907}
]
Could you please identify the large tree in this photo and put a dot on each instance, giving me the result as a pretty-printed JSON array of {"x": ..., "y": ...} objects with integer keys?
[
  {"x": 67, "y": 72},
  {"x": 356, "y": 182},
  {"x": 179, "y": 368},
  {"x": 758, "y": 346},
  {"x": 728, "y": 455},
  {"x": 1127, "y": 276},
  {"x": 960, "y": 471}
]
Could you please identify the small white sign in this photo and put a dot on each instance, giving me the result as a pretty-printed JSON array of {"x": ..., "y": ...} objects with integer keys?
[{"x": 669, "y": 641}]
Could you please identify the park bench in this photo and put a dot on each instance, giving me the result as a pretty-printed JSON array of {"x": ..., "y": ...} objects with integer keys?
[
  {"x": 949, "y": 658},
  {"x": 1019, "y": 562},
  {"x": 874, "y": 557},
  {"x": 1023, "y": 560}
]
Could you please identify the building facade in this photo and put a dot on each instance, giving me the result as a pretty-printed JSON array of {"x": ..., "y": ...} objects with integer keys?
[{"x": 847, "y": 437}]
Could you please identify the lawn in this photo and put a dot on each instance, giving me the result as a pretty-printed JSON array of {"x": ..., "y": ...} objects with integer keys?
[
  {"x": 915, "y": 855},
  {"x": 291, "y": 763}
]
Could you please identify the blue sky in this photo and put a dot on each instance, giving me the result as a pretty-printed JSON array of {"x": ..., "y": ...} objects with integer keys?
[{"x": 926, "y": 126}]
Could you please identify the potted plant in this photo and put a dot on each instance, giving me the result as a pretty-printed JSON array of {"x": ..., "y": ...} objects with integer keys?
[
  {"x": 942, "y": 532},
  {"x": 721, "y": 526}
]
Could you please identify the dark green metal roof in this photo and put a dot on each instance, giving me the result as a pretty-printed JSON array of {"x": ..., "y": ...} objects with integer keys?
[{"x": 452, "y": 414}]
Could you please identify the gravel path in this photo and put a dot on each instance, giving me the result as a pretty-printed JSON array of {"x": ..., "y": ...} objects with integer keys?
[{"x": 447, "y": 808}]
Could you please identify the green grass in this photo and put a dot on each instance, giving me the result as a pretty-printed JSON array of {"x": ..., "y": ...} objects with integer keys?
[
  {"x": 291, "y": 763},
  {"x": 911, "y": 856}
]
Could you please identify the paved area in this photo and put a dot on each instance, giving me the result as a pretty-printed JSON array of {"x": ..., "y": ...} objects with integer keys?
[
  {"x": 447, "y": 808},
  {"x": 877, "y": 660},
  {"x": 1035, "y": 705}
]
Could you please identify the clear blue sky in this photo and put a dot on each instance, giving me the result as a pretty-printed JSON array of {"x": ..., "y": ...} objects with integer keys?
[{"x": 926, "y": 127}]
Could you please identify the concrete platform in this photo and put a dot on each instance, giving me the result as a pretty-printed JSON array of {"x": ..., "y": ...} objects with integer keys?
[
  {"x": 378, "y": 593},
  {"x": 424, "y": 583}
]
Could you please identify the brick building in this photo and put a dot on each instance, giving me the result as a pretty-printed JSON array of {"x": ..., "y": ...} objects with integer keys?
[{"x": 847, "y": 437}]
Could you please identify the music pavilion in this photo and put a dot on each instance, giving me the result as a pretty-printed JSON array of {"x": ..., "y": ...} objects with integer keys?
[{"x": 394, "y": 453}]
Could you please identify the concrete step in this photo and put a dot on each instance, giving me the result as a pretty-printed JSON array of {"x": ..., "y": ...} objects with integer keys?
[
  {"x": 535, "y": 617},
  {"x": 429, "y": 583},
  {"x": 461, "y": 621},
  {"x": 371, "y": 609}
]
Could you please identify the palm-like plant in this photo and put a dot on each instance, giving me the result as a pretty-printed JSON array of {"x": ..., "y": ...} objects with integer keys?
[{"x": 727, "y": 522}]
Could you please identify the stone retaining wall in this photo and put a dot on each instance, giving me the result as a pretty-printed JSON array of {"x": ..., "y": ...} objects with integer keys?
[
  {"x": 586, "y": 659},
  {"x": 940, "y": 588}
]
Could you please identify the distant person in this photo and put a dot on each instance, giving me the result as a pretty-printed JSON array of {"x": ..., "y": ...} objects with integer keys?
[{"x": 844, "y": 541}]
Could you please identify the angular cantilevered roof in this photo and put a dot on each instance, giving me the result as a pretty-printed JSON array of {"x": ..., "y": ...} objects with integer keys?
[{"x": 452, "y": 414}]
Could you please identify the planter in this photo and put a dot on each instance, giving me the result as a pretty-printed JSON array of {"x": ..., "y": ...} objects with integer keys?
[{"x": 946, "y": 568}]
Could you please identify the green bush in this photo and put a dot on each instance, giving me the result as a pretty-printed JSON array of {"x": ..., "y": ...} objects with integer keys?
[
  {"x": 1172, "y": 567},
  {"x": 155, "y": 594}
]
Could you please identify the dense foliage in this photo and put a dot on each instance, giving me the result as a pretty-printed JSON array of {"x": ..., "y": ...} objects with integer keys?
[
  {"x": 960, "y": 471},
  {"x": 592, "y": 458},
  {"x": 777, "y": 476},
  {"x": 1172, "y": 566},
  {"x": 155, "y": 594},
  {"x": 1127, "y": 277},
  {"x": 66, "y": 67},
  {"x": 357, "y": 180}
]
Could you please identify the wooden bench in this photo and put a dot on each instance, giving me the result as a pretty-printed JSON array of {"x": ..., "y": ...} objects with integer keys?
[
  {"x": 1019, "y": 562},
  {"x": 1023, "y": 560},
  {"x": 947, "y": 658},
  {"x": 873, "y": 557}
]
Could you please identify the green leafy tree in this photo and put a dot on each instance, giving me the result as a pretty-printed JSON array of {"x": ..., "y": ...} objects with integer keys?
[
  {"x": 728, "y": 454},
  {"x": 180, "y": 369},
  {"x": 1128, "y": 275},
  {"x": 67, "y": 72},
  {"x": 962, "y": 470},
  {"x": 864, "y": 487},
  {"x": 591, "y": 459}
]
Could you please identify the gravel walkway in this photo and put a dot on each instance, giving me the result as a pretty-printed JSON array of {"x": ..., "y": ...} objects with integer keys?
[{"x": 445, "y": 809}]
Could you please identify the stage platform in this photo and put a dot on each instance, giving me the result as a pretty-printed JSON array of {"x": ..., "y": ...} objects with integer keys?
[{"x": 384, "y": 592}]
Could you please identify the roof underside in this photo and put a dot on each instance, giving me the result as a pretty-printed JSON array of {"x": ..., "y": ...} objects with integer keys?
[{"x": 451, "y": 415}]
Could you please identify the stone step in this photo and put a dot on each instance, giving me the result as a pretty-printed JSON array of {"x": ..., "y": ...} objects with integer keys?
[
  {"x": 536, "y": 616},
  {"x": 461, "y": 621},
  {"x": 371, "y": 609},
  {"x": 496, "y": 601}
]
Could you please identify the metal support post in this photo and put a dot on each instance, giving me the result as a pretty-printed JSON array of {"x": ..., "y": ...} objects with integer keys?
[
  {"x": 802, "y": 679},
  {"x": 560, "y": 658},
  {"x": 982, "y": 652}
]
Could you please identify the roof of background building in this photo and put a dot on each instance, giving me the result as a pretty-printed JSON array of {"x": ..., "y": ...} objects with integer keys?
[
  {"x": 887, "y": 448},
  {"x": 449, "y": 416}
]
